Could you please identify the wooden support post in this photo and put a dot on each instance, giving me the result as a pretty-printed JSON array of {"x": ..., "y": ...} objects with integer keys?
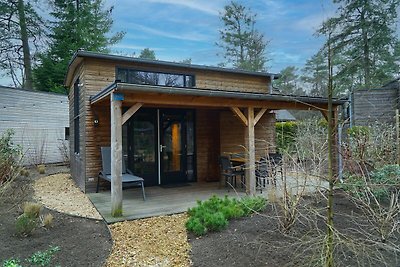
[
  {"x": 259, "y": 115},
  {"x": 240, "y": 115},
  {"x": 116, "y": 154},
  {"x": 129, "y": 113},
  {"x": 397, "y": 137},
  {"x": 251, "y": 155}
]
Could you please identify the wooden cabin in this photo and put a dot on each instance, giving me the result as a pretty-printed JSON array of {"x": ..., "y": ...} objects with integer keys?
[{"x": 169, "y": 121}]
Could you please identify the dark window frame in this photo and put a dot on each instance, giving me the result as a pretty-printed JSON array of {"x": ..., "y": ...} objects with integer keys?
[
  {"x": 76, "y": 117},
  {"x": 128, "y": 71}
]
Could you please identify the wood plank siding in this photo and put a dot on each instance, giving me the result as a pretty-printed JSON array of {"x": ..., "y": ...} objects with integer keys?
[
  {"x": 233, "y": 134},
  {"x": 212, "y": 135},
  {"x": 376, "y": 105},
  {"x": 39, "y": 120}
]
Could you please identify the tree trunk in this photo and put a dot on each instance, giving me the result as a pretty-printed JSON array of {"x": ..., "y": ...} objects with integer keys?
[
  {"x": 329, "y": 220},
  {"x": 27, "y": 84},
  {"x": 367, "y": 63}
]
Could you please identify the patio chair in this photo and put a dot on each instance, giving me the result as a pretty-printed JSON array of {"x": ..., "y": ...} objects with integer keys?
[
  {"x": 262, "y": 174},
  {"x": 229, "y": 172},
  {"x": 127, "y": 176},
  {"x": 275, "y": 161}
]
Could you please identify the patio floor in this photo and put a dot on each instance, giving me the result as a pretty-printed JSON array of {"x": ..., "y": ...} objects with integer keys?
[
  {"x": 159, "y": 200},
  {"x": 171, "y": 200}
]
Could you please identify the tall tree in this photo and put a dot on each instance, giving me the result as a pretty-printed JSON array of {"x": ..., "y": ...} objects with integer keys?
[
  {"x": 243, "y": 46},
  {"x": 79, "y": 24},
  {"x": 147, "y": 53},
  {"x": 314, "y": 75},
  {"x": 20, "y": 27},
  {"x": 288, "y": 82},
  {"x": 363, "y": 34}
]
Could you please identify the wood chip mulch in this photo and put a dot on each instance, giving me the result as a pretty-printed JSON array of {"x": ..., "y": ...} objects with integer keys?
[
  {"x": 60, "y": 193},
  {"x": 157, "y": 241}
]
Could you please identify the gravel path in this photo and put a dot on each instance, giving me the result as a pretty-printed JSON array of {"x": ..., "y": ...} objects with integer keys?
[
  {"x": 157, "y": 241},
  {"x": 60, "y": 193}
]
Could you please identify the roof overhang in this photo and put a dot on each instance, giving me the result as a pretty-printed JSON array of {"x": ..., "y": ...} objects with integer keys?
[
  {"x": 79, "y": 55},
  {"x": 196, "y": 96}
]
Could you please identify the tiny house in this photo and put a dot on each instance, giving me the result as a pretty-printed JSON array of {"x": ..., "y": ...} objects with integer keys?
[{"x": 170, "y": 122}]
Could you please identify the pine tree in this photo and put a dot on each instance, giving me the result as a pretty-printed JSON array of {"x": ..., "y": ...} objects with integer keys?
[
  {"x": 243, "y": 46},
  {"x": 315, "y": 73},
  {"x": 288, "y": 82},
  {"x": 363, "y": 34},
  {"x": 83, "y": 24},
  {"x": 20, "y": 28},
  {"x": 148, "y": 54}
]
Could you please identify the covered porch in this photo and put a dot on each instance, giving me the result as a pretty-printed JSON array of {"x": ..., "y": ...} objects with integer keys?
[{"x": 247, "y": 109}]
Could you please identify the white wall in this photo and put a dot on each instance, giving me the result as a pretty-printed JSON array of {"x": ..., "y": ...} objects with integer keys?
[{"x": 39, "y": 120}]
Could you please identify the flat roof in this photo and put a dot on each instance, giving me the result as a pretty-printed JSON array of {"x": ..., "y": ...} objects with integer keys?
[
  {"x": 210, "y": 93},
  {"x": 87, "y": 54}
]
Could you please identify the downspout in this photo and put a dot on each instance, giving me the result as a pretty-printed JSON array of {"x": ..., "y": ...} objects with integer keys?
[{"x": 270, "y": 84}]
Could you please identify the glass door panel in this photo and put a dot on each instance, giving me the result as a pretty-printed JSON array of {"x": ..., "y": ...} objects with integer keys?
[
  {"x": 172, "y": 147},
  {"x": 143, "y": 144}
]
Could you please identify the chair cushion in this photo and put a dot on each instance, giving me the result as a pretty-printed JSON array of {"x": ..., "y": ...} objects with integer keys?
[{"x": 127, "y": 178}]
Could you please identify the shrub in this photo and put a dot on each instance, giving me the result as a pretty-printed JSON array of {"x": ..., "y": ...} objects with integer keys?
[
  {"x": 12, "y": 263},
  {"x": 41, "y": 169},
  {"x": 47, "y": 220},
  {"x": 25, "y": 225},
  {"x": 32, "y": 209},
  {"x": 252, "y": 204},
  {"x": 380, "y": 182},
  {"x": 285, "y": 134},
  {"x": 43, "y": 258},
  {"x": 213, "y": 214},
  {"x": 10, "y": 156}
]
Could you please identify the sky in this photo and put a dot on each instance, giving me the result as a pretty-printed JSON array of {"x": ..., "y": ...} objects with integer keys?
[{"x": 182, "y": 29}]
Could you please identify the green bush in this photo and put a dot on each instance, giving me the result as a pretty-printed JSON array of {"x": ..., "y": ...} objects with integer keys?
[
  {"x": 9, "y": 157},
  {"x": 214, "y": 214},
  {"x": 285, "y": 135},
  {"x": 380, "y": 181},
  {"x": 12, "y": 263},
  {"x": 40, "y": 258},
  {"x": 25, "y": 225},
  {"x": 43, "y": 258}
]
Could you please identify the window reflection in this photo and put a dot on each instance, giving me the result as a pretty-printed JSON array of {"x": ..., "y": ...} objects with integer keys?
[{"x": 154, "y": 78}]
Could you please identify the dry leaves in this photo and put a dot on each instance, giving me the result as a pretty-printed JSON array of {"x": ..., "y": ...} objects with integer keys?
[
  {"x": 157, "y": 241},
  {"x": 60, "y": 193}
]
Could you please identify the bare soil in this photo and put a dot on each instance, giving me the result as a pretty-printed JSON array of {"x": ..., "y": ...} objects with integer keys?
[
  {"x": 83, "y": 241},
  {"x": 258, "y": 240}
]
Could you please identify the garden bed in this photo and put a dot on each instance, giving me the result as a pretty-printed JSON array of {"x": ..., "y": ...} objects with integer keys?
[
  {"x": 69, "y": 233},
  {"x": 257, "y": 241}
]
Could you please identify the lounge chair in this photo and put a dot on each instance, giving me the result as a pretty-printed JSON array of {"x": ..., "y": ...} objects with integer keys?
[{"x": 127, "y": 176}]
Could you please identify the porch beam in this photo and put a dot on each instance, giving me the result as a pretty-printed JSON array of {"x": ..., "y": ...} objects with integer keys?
[
  {"x": 259, "y": 115},
  {"x": 129, "y": 113},
  {"x": 251, "y": 155},
  {"x": 116, "y": 155},
  {"x": 240, "y": 115},
  {"x": 325, "y": 113}
]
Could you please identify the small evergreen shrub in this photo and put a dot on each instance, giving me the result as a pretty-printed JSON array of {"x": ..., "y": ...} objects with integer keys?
[
  {"x": 214, "y": 214},
  {"x": 25, "y": 225}
]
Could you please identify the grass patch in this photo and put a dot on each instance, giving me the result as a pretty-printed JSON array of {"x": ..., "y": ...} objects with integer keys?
[{"x": 215, "y": 213}]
